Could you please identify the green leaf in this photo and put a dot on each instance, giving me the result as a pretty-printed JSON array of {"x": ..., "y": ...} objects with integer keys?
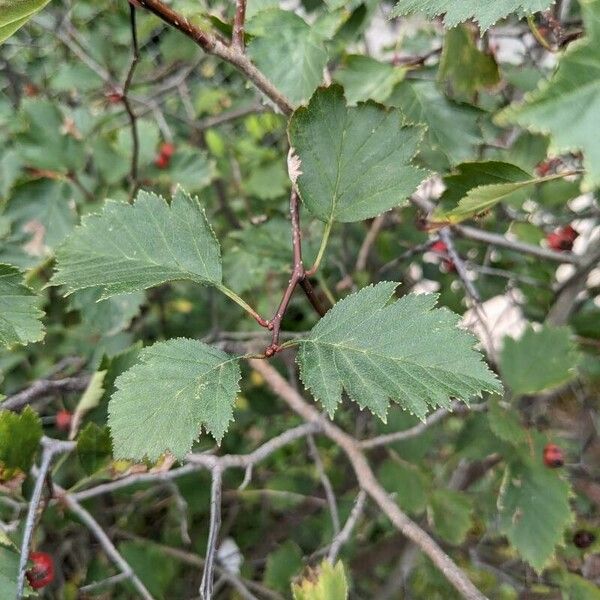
[
  {"x": 15, "y": 13},
  {"x": 282, "y": 565},
  {"x": 534, "y": 511},
  {"x": 452, "y": 129},
  {"x": 575, "y": 587},
  {"x": 19, "y": 315},
  {"x": 9, "y": 572},
  {"x": 539, "y": 360},
  {"x": 406, "y": 483},
  {"x": 566, "y": 106},
  {"x": 405, "y": 350},
  {"x": 109, "y": 316},
  {"x": 89, "y": 399},
  {"x": 94, "y": 448},
  {"x": 365, "y": 78},
  {"x": 356, "y": 162},
  {"x": 281, "y": 33},
  {"x": 502, "y": 182},
  {"x": 20, "y": 435},
  {"x": 457, "y": 11},
  {"x": 450, "y": 514},
  {"x": 467, "y": 68},
  {"x": 328, "y": 582},
  {"x": 128, "y": 248},
  {"x": 505, "y": 424},
  {"x": 162, "y": 402}
]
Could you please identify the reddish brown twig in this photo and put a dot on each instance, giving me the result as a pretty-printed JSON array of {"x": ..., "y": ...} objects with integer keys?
[{"x": 237, "y": 36}]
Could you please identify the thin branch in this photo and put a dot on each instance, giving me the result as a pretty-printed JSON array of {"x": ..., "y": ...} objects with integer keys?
[
  {"x": 50, "y": 449},
  {"x": 237, "y": 36},
  {"x": 206, "y": 586},
  {"x": 43, "y": 388},
  {"x": 326, "y": 483},
  {"x": 368, "y": 482},
  {"x": 135, "y": 139},
  {"x": 344, "y": 535},
  {"x": 109, "y": 548},
  {"x": 370, "y": 238},
  {"x": 214, "y": 45}
]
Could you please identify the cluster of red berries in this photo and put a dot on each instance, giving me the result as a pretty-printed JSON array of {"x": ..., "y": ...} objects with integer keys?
[
  {"x": 562, "y": 239},
  {"x": 441, "y": 248},
  {"x": 163, "y": 158},
  {"x": 41, "y": 572}
]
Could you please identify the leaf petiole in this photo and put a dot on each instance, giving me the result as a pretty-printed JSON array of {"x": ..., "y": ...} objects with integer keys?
[{"x": 241, "y": 302}]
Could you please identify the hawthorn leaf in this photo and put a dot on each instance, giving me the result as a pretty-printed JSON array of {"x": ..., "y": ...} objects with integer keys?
[
  {"x": 19, "y": 315},
  {"x": 15, "y": 13},
  {"x": 539, "y": 360},
  {"x": 534, "y": 510},
  {"x": 503, "y": 182},
  {"x": 464, "y": 65},
  {"x": 128, "y": 248},
  {"x": 457, "y": 11},
  {"x": 566, "y": 107},
  {"x": 328, "y": 582},
  {"x": 365, "y": 78},
  {"x": 356, "y": 162},
  {"x": 94, "y": 448},
  {"x": 452, "y": 128},
  {"x": 451, "y": 515},
  {"x": 280, "y": 33},
  {"x": 20, "y": 435},
  {"x": 282, "y": 565},
  {"x": 405, "y": 350},
  {"x": 161, "y": 403},
  {"x": 9, "y": 571}
]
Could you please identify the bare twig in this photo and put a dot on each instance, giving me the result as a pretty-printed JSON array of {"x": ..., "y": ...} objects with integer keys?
[
  {"x": 365, "y": 249},
  {"x": 109, "y": 548},
  {"x": 237, "y": 37},
  {"x": 43, "y": 388},
  {"x": 434, "y": 418},
  {"x": 344, "y": 535},
  {"x": 325, "y": 482},
  {"x": 212, "y": 44},
  {"x": 206, "y": 586},
  {"x": 50, "y": 449},
  {"x": 368, "y": 482}
]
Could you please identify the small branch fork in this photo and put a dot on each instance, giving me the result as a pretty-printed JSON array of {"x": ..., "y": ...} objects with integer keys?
[{"x": 299, "y": 277}]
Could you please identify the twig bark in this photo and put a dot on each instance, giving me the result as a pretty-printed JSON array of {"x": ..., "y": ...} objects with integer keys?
[
  {"x": 43, "y": 388},
  {"x": 344, "y": 535},
  {"x": 368, "y": 482},
  {"x": 326, "y": 483},
  {"x": 237, "y": 37},
  {"x": 206, "y": 586},
  {"x": 50, "y": 449}
]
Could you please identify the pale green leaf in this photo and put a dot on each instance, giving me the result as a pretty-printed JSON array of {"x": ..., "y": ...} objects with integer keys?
[
  {"x": 279, "y": 33},
  {"x": 9, "y": 572},
  {"x": 534, "y": 511},
  {"x": 406, "y": 483},
  {"x": 457, "y": 11},
  {"x": 567, "y": 106},
  {"x": 451, "y": 515},
  {"x": 467, "y": 68},
  {"x": 405, "y": 350},
  {"x": 128, "y": 248},
  {"x": 356, "y": 162},
  {"x": 19, "y": 316},
  {"x": 505, "y": 423},
  {"x": 365, "y": 78},
  {"x": 15, "y": 13},
  {"x": 502, "y": 182},
  {"x": 539, "y": 360},
  {"x": 282, "y": 565},
  {"x": 452, "y": 129},
  {"x": 162, "y": 402},
  {"x": 328, "y": 582},
  {"x": 575, "y": 587}
]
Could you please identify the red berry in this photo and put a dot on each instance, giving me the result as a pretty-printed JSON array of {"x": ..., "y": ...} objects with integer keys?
[
  {"x": 553, "y": 456},
  {"x": 63, "y": 420},
  {"x": 42, "y": 571},
  {"x": 439, "y": 247},
  {"x": 162, "y": 161},
  {"x": 562, "y": 239},
  {"x": 31, "y": 90},
  {"x": 167, "y": 149},
  {"x": 583, "y": 539}
]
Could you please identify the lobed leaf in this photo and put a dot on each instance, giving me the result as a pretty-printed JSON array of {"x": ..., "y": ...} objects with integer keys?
[
  {"x": 356, "y": 162},
  {"x": 161, "y": 403},
  {"x": 405, "y": 350},
  {"x": 128, "y": 248}
]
